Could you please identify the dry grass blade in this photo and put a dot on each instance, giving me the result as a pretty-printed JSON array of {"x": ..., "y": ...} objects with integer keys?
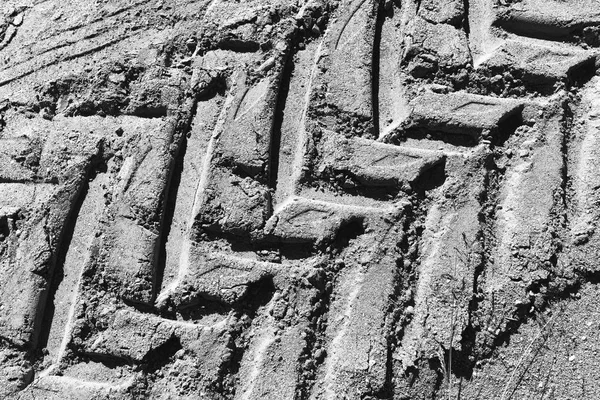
[{"x": 507, "y": 393}]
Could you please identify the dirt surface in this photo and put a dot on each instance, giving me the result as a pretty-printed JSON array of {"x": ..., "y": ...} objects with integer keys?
[{"x": 311, "y": 199}]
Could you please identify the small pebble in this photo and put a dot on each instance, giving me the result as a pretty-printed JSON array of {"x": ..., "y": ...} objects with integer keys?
[
  {"x": 319, "y": 355},
  {"x": 267, "y": 65},
  {"x": 18, "y": 20}
]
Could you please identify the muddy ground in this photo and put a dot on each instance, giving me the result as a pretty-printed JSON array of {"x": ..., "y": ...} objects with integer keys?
[{"x": 299, "y": 199}]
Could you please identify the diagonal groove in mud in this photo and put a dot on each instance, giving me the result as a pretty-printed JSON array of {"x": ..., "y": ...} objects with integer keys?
[
  {"x": 466, "y": 25},
  {"x": 6, "y": 40},
  {"x": 59, "y": 270},
  {"x": 375, "y": 67},
  {"x": 279, "y": 115},
  {"x": 476, "y": 252},
  {"x": 293, "y": 137},
  {"x": 315, "y": 338},
  {"x": 83, "y": 53},
  {"x": 401, "y": 299},
  {"x": 98, "y": 33},
  {"x": 77, "y": 237},
  {"x": 169, "y": 210},
  {"x": 567, "y": 137},
  {"x": 170, "y": 197}
]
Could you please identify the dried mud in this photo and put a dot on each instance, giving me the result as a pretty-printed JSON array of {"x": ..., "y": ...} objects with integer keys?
[{"x": 313, "y": 199}]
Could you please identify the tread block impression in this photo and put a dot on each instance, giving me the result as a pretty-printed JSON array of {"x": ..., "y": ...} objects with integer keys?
[
  {"x": 553, "y": 20},
  {"x": 442, "y": 12},
  {"x": 430, "y": 46},
  {"x": 461, "y": 114},
  {"x": 374, "y": 163},
  {"x": 347, "y": 52},
  {"x": 542, "y": 65}
]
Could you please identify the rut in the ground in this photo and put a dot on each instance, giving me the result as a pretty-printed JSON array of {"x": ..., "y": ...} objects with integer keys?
[{"x": 355, "y": 199}]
